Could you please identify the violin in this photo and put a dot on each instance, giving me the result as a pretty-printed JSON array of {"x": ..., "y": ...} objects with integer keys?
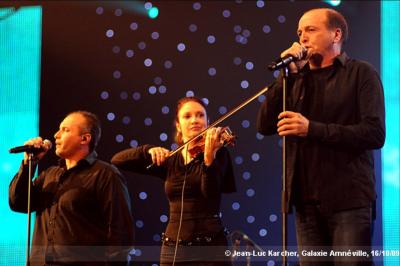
[{"x": 226, "y": 137}]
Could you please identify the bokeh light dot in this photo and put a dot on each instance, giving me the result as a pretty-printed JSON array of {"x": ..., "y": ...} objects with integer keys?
[
  {"x": 244, "y": 84},
  {"x": 123, "y": 95},
  {"x": 139, "y": 224},
  {"x": 250, "y": 219},
  {"x": 133, "y": 143},
  {"x": 193, "y": 27},
  {"x": 226, "y": 13},
  {"x": 142, "y": 195},
  {"x": 189, "y": 94},
  {"x": 281, "y": 19},
  {"x": 238, "y": 160},
  {"x": 266, "y": 29},
  {"x": 104, "y": 95},
  {"x": 261, "y": 98},
  {"x": 271, "y": 263},
  {"x": 197, "y": 6},
  {"x": 246, "y": 33},
  {"x": 148, "y": 121},
  {"x": 205, "y": 101},
  {"x": 276, "y": 73},
  {"x": 249, "y": 65},
  {"x": 116, "y": 74},
  {"x": 133, "y": 26},
  {"x": 222, "y": 110},
  {"x": 273, "y": 218},
  {"x": 262, "y": 232},
  {"x": 236, "y": 206},
  {"x": 168, "y": 64},
  {"x": 152, "y": 89},
  {"x": 155, "y": 35},
  {"x": 237, "y": 61},
  {"x": 118, "y": 12},
  {"x": 157, "y": 80},
  {"x": 250, "y": 192},
  {"x": 148, "y": 5},
  {"x": 163, "y": 218},
  {"x": 129, "y": 53},
  {"x": 255, "y": 157},
  {"x": 174, "y": 146},
  {"x": 237, "y": 29},
  {"x": 126, "y": 120},
  {"x": 163, "y": 137},
  {"x": 246, "y": 175},
  {"x": 116, "y": 49},
  {"x": 99, "y": 10},
  {"x": 109, "y": 33},
  {"x": 110, "y": 116},
  {"x": 156, "y": 238},
  {"x": 211, "y": 39},
  {"x": 119, "y": 138},
  {"x": 245, "y": 123},
  {"x": 142, "y": 45},
  {"x": 212, "y": 71},
  {"x": 259, "y": 136},
  {"x": 136, "y": 96},
  {"x": 181, "y": 47},
  {"x": 148, "y": 62},
  {"x": 162, "y": 89},
  {"x": 165, "y": 110},
  {"x": 260, "y": 4}
]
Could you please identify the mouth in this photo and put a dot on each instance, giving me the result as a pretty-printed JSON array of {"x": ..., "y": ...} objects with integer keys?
[{"x": 195, "y": 128}]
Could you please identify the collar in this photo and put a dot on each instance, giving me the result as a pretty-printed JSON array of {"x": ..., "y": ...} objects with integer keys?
[
  {"x": 340, "y": 59},
  {"x": 89, "y": 160}
]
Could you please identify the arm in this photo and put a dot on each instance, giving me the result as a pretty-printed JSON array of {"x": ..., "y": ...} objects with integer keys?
[
  {"x": 114, "y": 199},
  {"x": 136, "y": 160},
  {"x": 218, "y": 176},
  {"x": 18, "y": 189},
  {"x": 369, "y": 132}
]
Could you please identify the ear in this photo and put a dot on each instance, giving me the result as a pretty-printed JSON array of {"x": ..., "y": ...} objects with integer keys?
[
  {"x": 86, "y": 138},
  {"x": 178, "y": 127},
  {"x": 337, "y": 35}
]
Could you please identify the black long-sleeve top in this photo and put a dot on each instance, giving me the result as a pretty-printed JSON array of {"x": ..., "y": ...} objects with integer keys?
[
  {"x": 347, "y": 124},
  {"x": 82, "y": 214},
  {"x": 202, "y": 196}
]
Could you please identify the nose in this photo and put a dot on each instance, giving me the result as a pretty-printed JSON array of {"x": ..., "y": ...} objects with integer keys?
[{"x": 56, "y": 134}]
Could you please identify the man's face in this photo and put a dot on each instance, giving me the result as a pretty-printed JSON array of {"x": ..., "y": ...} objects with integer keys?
[
  {"x": 314, "y": 34},
  {"x": 68, "y": 138}
]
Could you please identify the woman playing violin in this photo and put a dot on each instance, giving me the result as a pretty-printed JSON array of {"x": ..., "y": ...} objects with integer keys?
[{"x": 193, "y": 184}]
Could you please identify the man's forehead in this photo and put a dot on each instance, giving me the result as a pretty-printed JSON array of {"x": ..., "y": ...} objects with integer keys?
[
  {"x": 74, "y": 119},
  {"x": 313, "y": 18}
]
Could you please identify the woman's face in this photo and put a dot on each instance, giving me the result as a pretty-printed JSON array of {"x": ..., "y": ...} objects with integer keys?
[{"x": 192, "y": 119}]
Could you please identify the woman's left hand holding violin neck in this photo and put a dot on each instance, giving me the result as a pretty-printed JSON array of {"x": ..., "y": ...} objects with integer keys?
[
  {"x": 158, "y": 155},
  {"x": 212, "y": 144}
]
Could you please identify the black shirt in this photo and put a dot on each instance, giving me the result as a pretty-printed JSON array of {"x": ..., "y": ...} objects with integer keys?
[
  {"x": 340, "y": 137},
  {"x": 82, "y": 214}
]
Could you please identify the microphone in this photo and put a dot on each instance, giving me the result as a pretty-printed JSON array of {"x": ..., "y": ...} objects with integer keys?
[
  {"x": 286, "y": 60},
  {"x": 46, "y": 145}
]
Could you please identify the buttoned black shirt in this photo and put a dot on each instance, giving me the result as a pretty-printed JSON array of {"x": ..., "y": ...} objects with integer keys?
[
  {"x": 83, "y": 214},
  {"x": 346, "y": 122}
]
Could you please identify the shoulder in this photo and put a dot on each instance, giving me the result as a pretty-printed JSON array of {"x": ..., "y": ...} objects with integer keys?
[
  {"x": 105, "y": 168},
  {"x": 362, "y": 67}
]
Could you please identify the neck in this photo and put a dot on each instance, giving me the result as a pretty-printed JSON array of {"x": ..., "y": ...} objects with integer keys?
[
  {"x": 73, "y": 160},
  {"x": 320, "y": 61}
]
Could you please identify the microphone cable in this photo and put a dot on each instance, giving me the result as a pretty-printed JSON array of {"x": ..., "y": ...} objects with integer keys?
[{"x": 181, "y": 214}]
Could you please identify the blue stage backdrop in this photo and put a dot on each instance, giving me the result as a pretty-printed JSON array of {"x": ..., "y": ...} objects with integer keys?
[{"x": 130, "y": 68}]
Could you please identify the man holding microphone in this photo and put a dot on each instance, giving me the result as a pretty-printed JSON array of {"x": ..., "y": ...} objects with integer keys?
[{"x": 335, "y": 119}]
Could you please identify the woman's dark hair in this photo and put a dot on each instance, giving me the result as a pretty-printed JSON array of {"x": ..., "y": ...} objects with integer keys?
[{"x": 179, "y": 104}]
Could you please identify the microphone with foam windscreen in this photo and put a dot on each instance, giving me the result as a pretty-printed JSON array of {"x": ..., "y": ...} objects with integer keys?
[
  {"x": 46, "y": 145},
  {"x": 286, "y": 60}
]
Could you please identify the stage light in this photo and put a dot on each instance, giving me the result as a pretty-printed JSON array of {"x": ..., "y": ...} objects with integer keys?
[
  {"x": 333, "y": 2},
  {"x": 153, "y": 12}
]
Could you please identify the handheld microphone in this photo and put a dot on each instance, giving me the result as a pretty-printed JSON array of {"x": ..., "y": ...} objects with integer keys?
[
  {"x": 46, "y": 145},
  {"x": 286, "y": 60}
]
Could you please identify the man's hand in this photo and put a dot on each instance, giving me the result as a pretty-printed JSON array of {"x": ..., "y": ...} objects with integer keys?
[
  {"x": 38, "y": 143},
  {"x": 292, "y": 124}
]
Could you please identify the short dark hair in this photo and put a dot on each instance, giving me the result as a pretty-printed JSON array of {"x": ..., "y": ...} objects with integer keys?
[
  {"x": 93, "y": 127},
  {"x": 337, "y": 20}
]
